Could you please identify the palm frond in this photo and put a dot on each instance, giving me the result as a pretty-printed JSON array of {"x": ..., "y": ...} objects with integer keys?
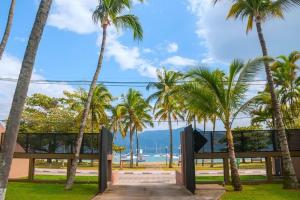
[{"x": 130, "y": 22}]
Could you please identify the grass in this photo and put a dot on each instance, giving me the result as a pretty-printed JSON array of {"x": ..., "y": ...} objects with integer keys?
[
  {"x": 261, "y": 192},
  {"x": 62, "y": 178},
  {"x": 219, "y": 166},
  {"x": 221, "y": 178},
  {"x": 38, "y": 191}
]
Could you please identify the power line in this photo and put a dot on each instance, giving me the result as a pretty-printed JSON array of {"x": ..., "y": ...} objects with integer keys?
[
  {"x": 156, "y": 121},
  {"x": 110, "y": 83}
]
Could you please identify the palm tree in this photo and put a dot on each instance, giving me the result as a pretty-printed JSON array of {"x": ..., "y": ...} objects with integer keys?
[
  {"x": 116, "y": 123},
  {"x": 101, "y": 103},
  {"x": 144, "y": 119},
  {"x": 259, "y": 11},
  {"x": 229, "y": 94},
  {"x": 263, "y": 110},
  {"x": 7, "y": 28},
  {"x": 129, "y": 109},
  {"x": 108, "y": 12},
  {"x": 285, "y": 71},
  {"x": 189, "y": 94},
  {"x": 166, "y": 106},
  {"x": 13, "y": 123}
]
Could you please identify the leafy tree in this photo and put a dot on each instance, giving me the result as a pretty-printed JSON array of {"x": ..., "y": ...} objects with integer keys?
[
  {"x": 7, "y": 28},
  {"x": 166, "y": 105},
  {"x": 229, "y": 94},
  {"x": 13, "y": 123},
  {"x": 108, "y": 12},
  {"x": 259, "y": 11},
  {"x": 44, "y": 114}
]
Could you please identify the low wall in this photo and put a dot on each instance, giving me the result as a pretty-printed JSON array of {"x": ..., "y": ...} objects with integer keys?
[
  {"x": 296, "y": 162},
  {"x": 19, "y": 168}
]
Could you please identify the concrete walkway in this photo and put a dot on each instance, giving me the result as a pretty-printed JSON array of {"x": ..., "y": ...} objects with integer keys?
[
  {"x": 160, "y": 192},
  {"x": 155, "y": 185},
  {"x": 146, "y": 192}
]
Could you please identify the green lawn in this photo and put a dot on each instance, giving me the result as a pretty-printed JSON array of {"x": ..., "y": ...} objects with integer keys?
[
  {"x": 62, "y": 178},
  {"x": 221, "y": 178},
  {"x": 262, "y": 192},
  {"x": 38, "y": 191}
]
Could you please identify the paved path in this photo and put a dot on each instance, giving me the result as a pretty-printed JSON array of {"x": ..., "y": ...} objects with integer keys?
[
  {"x": 146, "y": 192},
  {"x": 145, "y": 177},
  {"x": 155, "y": 185}
]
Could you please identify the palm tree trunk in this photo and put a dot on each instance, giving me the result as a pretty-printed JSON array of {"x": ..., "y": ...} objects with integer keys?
[
  {"x": 137, "y": 148},
  {"x": 13, "y": 123},
  {"x": 204, "y": 127},
  {"x": 131, "y": 147},
  {"x": 171, "y": 141},
  {"x": 70, "y": 180},
  {"x": 92, "y": 124},
  {"x": 213, "y": 136},
  {"x": 235, "y": 177},
  {"x": 120, "y": 159},
  {"x": 290, "y": 179},
  {"x": 7, "y": 28}
]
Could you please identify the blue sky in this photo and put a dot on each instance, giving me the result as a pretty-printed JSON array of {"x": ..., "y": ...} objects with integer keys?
[{"x": 177, "y": 34}]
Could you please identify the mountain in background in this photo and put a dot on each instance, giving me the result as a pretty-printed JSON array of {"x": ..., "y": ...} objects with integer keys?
[{"x": 154, "y": 141}]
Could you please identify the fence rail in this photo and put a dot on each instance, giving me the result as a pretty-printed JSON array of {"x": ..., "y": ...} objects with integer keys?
[
  {"x": 249, "y": 141},
  {"x": 245, "y": 141},
  {"x": 57, "y": 143}
]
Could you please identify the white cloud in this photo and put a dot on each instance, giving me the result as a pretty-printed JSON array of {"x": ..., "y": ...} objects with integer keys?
[
  {"x": 178, "y": 61},
  {"x": 128, "y": 57},
  {"x": 172, "y": 47},
  {"x": 20, "y": 39},
  {"x": 147, "y": 50},
  {"x": 10, "y": 67},
  {"x": 75, "y": 16},
  {"x": 227, "y": 39}
]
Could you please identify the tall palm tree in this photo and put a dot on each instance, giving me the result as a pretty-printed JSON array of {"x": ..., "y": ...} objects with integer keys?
[
  {"x": 144, "y": 119},
  {"x": 7, "y": 28},
  {"x": 129, "y": 109},
  {"x": 13, "y": 123},
  {"x": 259, "y": 11},
  {"x": 229, "y": 94},
  {"x": 167, "y": 106},
  {"x": 108, "y": 12}
]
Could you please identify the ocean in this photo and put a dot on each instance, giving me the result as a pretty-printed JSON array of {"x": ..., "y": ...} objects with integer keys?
[{"x": 147, "y": 157}]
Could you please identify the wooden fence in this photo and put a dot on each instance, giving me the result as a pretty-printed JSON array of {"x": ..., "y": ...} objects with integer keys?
[
  {"x": 269, "y": 153},
  {"x": 37, "y": 149}
]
